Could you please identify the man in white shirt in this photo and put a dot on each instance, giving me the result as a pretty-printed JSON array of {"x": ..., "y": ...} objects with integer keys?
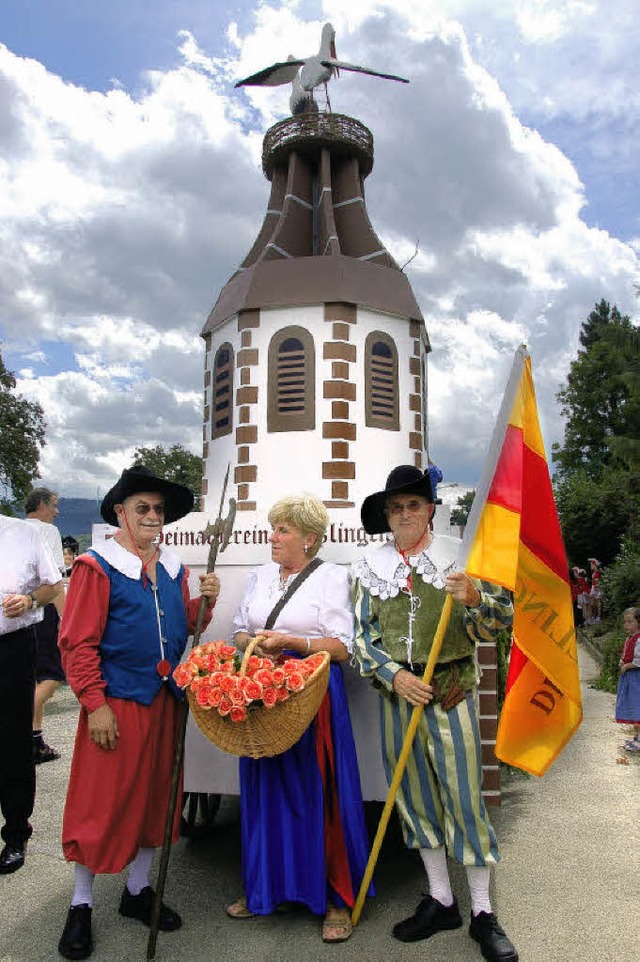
[
  {"x": 41, "y": 508},
  {"x": 29, "y": 579}
]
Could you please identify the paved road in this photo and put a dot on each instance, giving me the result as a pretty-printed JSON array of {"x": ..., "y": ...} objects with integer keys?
[{"x": 566, "y": 888}]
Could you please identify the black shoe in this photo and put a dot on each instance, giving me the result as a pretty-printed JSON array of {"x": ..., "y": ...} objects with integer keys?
[
  {"x": 429, "y": 917},
  {"x": 494, "y": 944},
  {"x": 141, "y": 907},
  {"x": 75, "y": 941},
  {"x": 11, "y": 858},
  {"x": 44, "y": 753}
]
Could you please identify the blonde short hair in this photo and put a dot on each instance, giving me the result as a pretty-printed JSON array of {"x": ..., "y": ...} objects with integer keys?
[{"x": 305, "y": 513}]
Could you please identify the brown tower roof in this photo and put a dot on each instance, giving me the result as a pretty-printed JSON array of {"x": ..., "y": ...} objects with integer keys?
[{"x": 316, "y": 243}]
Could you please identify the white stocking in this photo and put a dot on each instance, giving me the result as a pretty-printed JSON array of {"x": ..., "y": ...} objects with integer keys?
[
  {"x": 478, "y": 878},
  {"x": 83, "y": 891},
  {"x": 139, "y": 871},
  {"x": 435, "y": 863}
]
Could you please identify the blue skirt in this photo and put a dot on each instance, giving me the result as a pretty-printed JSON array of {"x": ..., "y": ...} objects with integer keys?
[
  {"x": 628, "y": 698},
  {"x": 282, "y": 808}
]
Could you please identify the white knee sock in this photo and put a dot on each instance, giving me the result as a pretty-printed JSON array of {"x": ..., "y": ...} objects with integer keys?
[
  {"x": 435, "y": 863},
  {"x": 478, "y": 878},
  {"x": 83, "y": 891},
  {"x": 139, "y": 870}
]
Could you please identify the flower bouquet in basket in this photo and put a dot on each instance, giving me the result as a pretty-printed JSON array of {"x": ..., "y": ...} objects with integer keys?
[{"x": 248, "y": 705}]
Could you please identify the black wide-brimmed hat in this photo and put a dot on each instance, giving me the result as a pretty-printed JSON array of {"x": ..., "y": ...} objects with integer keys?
[
  {"x": 178, "y": 500},
  {"x": 405, "y": 479}
]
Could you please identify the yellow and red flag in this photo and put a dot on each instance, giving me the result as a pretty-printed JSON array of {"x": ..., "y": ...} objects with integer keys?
[{"x": 513, "y": 538}]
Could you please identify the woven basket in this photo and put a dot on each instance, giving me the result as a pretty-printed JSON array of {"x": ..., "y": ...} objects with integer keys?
[{"x": 265, "y": 731}]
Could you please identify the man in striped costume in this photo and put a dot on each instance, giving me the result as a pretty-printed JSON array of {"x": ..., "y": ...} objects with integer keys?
[{"x": 399, "y": 591}]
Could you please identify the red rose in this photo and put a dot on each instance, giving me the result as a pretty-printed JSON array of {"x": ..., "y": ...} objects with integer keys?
[
  {"x": 237, "y": 697},
  {"x": 227, "y": 683},
  {"x": 227, "y": 651},
  {"x": 281, "y": 694},
  {"x": 278, "y": 677},
  {"x": 182, "y": 676},
  {"x": 269, "y": 697},
  {"x": 295, "y": 681},
  {"x": 197, "y": 682},
  {"x": 263, "y": 676},
  {"x": 202, "y": 697},
  {"x": 215, "y": 697},
  {"x": 290, "y": 665},
  {"x": 252, "y": 690},
  {"x": 225, "y": 706},
  {"x": 238, "y": 714}
]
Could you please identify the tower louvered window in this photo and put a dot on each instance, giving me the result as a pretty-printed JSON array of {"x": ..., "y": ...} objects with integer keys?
[
  {"x": 381, "y": 382},
  {"x": 291, "y": 395},
  {"x": 222, "y": 392}
]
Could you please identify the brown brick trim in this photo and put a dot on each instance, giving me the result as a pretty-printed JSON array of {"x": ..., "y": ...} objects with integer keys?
[
  {"x": 245, "y": 339},
  {"x": 415, "y": 328},
  {"x": 248, "y": 472},
  {"x": 340, "y": 410},
  {"x": 339, "y": 450},
  {"x": 415, "y": 441},
  {"x": 248, "y": 318},
  {"x": 339, "y": 352},
  {"x": 247, "y": 357},
  {"x": 247, "y": 434},
  {"x": 246, "y": 506},
  {"x": 205, "y": 450},
  {"x": 207, "y": 378},
  {"x": 247, "y": 395},
  {"x": 339, "y": 429},
  {"x": 339, "y": 504},
  {"x": 340, "y": 369},
  {"x": 417, "y": 422},
  {"x": 337, "y": 311},
  {"x": 243, "y": 454},
  {"x": 414, "y": 365},
  {"x": 417, "y": 460},
  {"x": 339, "y": 470},
  {"x": 243, "y": 492},
  {"x": 339, "y": 490},
  {"x": 245, "y": 376},
  {"x": 339, "y": 389},
  {"x": 244, "y": 415},
  {"x": 415, "y": 402},
  {"x": 205, "y": 487},
  {"x": 340, "y": 332}
]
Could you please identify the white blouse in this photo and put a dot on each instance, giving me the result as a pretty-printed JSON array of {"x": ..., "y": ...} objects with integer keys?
[{"x": 320, "y": 608}]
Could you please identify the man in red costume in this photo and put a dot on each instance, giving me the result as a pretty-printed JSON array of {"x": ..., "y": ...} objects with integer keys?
[{"x": 125, "y": 626}]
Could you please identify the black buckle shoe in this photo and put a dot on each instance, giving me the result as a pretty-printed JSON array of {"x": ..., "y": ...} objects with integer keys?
[
  {"x": 494, "y": 943},
  {"x": 75, "y": 941},
  {"x": 44, "y": 753},
  {"x": 430, "y": 917},
  {"x": 141, "y": 907},
  {"x": 11, "y": 858}
]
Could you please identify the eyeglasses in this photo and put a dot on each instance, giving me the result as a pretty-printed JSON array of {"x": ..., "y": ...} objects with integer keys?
[
  {"x": 143, "y": 508},
  {"x": 397, "y": 507}
]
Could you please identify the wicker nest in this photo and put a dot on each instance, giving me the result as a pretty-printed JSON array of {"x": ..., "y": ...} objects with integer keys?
[{"x": 265, "y": 732}]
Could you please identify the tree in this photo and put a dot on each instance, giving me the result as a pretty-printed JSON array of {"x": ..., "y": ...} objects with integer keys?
[
  {"x": 601, "y": 399},
  {"x": 22, "y": 427},
  {"x": 460, "y": 514},
  {"x": 175, "y": 464}
]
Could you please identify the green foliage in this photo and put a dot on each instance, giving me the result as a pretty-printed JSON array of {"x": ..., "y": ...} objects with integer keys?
[
  {"x": 601, "y": 399},
  {"x": 596, "y": 514},
  {"x": 621, "y": 581},
  {"x": 503, "y": 648},
  {"x": 22, "y": 427},
  {"x": 174, "y": 464},
  {"x": 609, "y": 675},
  {"x": 460, "y": 514}
]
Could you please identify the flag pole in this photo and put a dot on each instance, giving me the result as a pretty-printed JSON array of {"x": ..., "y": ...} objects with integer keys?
[{"x": 402, "y": 761}]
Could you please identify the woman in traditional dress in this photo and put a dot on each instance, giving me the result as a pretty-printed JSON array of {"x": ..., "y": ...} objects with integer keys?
[
  {"x": 303, "y": 832},
  {"x": 125, "y": 625},
  {"x": 628, "y": 697}
]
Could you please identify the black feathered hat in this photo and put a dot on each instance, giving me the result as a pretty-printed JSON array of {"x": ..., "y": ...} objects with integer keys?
[
  {"x": 405, "y": 479},
  {"x": 178, "y": 499}
]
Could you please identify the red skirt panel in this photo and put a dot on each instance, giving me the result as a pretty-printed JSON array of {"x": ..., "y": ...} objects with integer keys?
[{"x": 117, "y": 800}]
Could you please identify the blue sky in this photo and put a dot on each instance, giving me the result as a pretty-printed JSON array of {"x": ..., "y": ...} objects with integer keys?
[{"x": 130, "y": 188}]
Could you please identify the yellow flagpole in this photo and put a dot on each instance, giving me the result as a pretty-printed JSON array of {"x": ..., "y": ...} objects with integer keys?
[{"x": 402, "y": 761}]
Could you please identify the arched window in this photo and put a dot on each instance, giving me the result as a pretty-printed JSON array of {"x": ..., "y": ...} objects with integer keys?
[
  {"x": 381, "y": 382},
  {"x": 222, "y": 392},
  {"x": 291, "y": 388}
]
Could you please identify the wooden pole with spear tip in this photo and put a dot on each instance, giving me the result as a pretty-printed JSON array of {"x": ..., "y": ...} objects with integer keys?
[
  {"x": 219, "y": 534},
  {"x": 402, "y": 761}
]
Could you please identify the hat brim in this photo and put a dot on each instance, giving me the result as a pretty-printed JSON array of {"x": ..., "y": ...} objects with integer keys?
[
  {"x": 373, "y": 514},
  {"x": 178, "y": 499}
]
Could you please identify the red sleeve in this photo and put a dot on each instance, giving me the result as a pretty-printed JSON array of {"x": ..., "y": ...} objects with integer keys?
[
  {"x": 83, "y": 622},
  {"x": 192, "y": 605}
]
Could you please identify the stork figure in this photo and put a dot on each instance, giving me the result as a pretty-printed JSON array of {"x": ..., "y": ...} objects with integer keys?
[{"x": 307, "y": 74}]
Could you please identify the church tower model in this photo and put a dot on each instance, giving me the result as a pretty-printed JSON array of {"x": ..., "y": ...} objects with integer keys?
[
  {"x": 316, "y": 380},
  {"x": 315, "y": 373}
]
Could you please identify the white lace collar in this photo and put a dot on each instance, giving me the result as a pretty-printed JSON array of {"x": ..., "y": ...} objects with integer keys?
[
  {"x": 384, "y": 573},
  {"x": 129, "y": 564}
]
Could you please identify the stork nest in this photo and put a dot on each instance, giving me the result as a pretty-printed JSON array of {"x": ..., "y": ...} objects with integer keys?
[{"x": 308, "y": 133}]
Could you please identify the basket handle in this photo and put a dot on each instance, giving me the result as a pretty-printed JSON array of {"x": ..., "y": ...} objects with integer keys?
[{"x": 248, "y": 652}]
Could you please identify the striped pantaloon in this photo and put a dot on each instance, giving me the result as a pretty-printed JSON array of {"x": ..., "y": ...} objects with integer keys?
[{"x": 440, "y": 795}]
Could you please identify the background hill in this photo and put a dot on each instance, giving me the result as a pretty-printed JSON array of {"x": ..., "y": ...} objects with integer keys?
[{"x": 77, "y": 515}]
